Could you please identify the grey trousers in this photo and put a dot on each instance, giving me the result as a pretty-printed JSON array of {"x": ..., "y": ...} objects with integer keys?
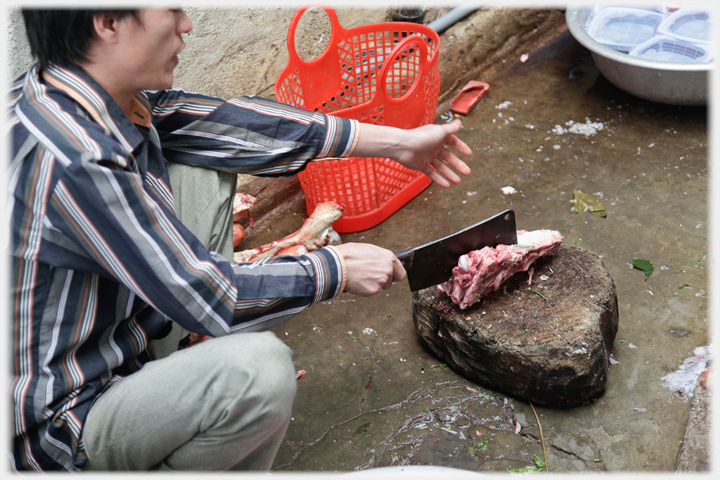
[
  {"x": 203, "y": 202},
  {"x": 223, "y": 404}
]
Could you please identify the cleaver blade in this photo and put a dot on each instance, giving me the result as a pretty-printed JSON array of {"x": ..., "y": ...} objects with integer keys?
[{"x": 432, "y": 263}]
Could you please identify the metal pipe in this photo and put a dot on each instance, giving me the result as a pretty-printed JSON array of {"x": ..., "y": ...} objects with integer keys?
[
  {"x": 453, "y": 16},
  {"x": 407, "y": 13}
]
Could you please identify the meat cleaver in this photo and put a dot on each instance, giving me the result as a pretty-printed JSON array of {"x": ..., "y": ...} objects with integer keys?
[{"x": 432, "y": 263}]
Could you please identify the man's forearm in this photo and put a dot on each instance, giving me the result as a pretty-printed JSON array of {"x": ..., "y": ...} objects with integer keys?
[
  {"x": 425, "y": 148},
  {"x": 379, "y": 141}
]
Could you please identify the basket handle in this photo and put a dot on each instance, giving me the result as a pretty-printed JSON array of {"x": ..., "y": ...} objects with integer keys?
[
  {"x": 334, "y": 22},
  {"x": 390, "y": 60}
]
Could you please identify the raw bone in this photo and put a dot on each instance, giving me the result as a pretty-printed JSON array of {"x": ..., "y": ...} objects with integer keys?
[
  {"x": 241, "y": 205},
  {"x": 315, "y": 233},
  {"x": 238, "y": 234},
  {"x": 482, "y": 271}
]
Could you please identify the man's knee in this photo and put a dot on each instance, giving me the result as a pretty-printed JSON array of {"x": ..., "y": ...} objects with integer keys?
[
  {"x": 275, "y": 372},
  {"x": 256, "y": 365}
]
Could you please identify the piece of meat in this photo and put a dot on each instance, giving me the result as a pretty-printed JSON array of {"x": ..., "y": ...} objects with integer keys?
[
  {"x": 196, "y": 338},
  {"x": 295, "y": 251},
  {"x": 238, "y": 234},
  {"x": 242, "y": 203},
  {"x": 315, "y": 233},
  {"x": 482, "y": 271},
  {"x": 707, "y": 378}
]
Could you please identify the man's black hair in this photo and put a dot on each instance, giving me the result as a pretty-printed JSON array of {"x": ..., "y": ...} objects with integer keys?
[{"x": 57, "y": 36}]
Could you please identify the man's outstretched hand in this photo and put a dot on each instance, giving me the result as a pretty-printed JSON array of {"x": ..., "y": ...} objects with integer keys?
[{"x": 424, "y": 148}]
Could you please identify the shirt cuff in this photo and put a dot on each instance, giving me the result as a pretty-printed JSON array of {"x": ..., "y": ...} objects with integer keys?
[
  {"x": 356, "y": 126},
  {"x": 341, "y": 137},
  {"x": 330, "y": 273},
  {"x": 343, "y": 281}
]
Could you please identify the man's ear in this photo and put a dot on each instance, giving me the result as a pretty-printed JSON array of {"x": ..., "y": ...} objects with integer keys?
[{"x": 106, "y": 26}]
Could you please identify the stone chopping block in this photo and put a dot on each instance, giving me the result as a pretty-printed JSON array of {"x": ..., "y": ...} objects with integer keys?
[{"x": 548, "y": 342}]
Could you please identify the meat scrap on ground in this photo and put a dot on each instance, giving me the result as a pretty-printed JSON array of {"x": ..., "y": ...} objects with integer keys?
[
  {"x": 315, "y": 233},
  {"x": 482, "y": 271},
  {"x": 241, "y": 205}
]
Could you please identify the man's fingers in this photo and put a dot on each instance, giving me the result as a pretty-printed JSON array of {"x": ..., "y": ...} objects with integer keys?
[
  {"x": 453, "y": 127},
  {"x": 436, "y": 177},
  {"x": 442, "y": 168},
  {"x": 453, "y": 161},
  {"x": 399, "y": 272},
  {"x": 461, "y": 147},
  {"x": 453, "y": 141},
  {"x": 440, "y": 171},
  {"x": 459, "y": 165}
]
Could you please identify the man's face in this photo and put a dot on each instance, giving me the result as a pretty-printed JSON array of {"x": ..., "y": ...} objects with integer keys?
[{"x": 150, "y": 49}]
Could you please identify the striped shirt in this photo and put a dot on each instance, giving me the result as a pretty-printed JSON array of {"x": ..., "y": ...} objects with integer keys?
[{"x": 99, "y": 260}]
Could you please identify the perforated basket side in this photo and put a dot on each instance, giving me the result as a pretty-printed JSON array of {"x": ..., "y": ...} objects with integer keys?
[
  {"x": 370, "y": 189},
  {"x": 361, "y": 185}
]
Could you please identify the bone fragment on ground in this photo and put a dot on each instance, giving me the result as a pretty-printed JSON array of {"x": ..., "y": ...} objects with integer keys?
[
  {"x": 316, "y": 232},
  {"x": 482, "y": 271},
  {"x": 242, "y": 202}
]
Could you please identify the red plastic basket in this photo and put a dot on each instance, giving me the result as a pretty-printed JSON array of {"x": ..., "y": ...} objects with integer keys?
[{"x": 383, "y": 73}]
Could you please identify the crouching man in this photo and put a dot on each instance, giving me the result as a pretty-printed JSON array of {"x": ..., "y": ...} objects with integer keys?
[{"x": 120, "y": 200}]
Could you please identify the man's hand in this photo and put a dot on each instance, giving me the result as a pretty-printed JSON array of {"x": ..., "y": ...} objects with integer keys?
[
  {"x": 369, "y": 268},
  {"x": 423, "y": 148}
]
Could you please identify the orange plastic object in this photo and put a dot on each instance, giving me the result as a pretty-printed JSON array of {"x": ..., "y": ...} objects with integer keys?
[
  {"x": 469, "y": 97},
  {"x": 384, "y": 74}
]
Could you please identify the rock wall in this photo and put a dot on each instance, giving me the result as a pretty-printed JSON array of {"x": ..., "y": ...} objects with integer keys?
[
  {"x": 234, "y": 51},
  {"x": 240, "y": 51},
  {"x": 231, "y": 51}
]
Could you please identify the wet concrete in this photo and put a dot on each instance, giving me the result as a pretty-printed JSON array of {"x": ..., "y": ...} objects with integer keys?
[{"x": 373, "y": 397}]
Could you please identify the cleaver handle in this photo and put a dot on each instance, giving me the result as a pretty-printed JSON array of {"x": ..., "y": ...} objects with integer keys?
[{"x": 406, "y": 258}]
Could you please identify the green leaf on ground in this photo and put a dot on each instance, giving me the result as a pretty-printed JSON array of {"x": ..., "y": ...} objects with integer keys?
[
  {"x": 644, "y": 265},
  {"x": 362, "y": 429},
  {"x": 584, "y": 202}
]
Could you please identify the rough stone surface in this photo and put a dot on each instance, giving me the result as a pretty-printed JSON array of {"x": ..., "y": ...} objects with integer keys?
[
  {"x": 19, "y": 58},
  {"x": 548, "y": 343},
  {"x": 489, "y": 41},
  {"x": 694, "y": 454},
  {"x": 242, "y": 50}
]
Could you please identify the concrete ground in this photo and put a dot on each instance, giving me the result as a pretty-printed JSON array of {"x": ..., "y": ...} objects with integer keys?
[{"x": 372, "y": 396}]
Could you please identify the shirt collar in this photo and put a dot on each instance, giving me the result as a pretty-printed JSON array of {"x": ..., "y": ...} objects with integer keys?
[{"x": 82, "y": 88}]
